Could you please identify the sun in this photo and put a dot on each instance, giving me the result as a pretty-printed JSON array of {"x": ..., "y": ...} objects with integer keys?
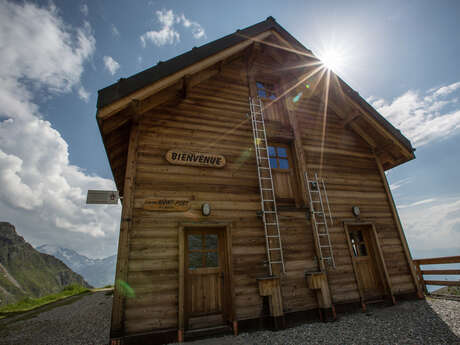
[{"x": 332, "y": 58}]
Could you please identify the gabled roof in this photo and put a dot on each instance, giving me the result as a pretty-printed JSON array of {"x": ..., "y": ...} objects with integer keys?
[{"x": 113, "y": 99}]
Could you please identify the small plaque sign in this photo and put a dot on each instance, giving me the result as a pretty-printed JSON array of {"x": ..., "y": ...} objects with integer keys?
[
  {"x": 197, "y": 159},
  {"x": 173, "y": 205},
  {"x": 102, "y": 197}
]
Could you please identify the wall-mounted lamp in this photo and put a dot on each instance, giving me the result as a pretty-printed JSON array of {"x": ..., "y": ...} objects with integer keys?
[
  {"x": 356, "y": 211},
  {"x": 206, "y": 209}
]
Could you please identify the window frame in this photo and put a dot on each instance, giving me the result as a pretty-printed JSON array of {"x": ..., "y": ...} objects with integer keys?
[
  {"x": 277, "y": 157},
  {"x": 268, "y": 86}
]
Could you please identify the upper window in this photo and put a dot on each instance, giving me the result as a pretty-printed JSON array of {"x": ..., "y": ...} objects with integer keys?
[
  {"x": 278, "y": 157},
  {"x": 266, "y": 90}
]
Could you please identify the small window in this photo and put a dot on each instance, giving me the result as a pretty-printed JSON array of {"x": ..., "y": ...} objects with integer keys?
[
  {"x": 278, "y": 157},
  {"x": 358, "y": 244},
  {"x": 266, "y": 90}
]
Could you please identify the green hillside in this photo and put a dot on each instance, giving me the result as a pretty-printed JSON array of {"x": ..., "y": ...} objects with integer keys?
[{"x": 25, "y": 272}]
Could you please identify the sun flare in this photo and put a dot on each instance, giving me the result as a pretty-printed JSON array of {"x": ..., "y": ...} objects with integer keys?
[{"x": 332, "y": 59}]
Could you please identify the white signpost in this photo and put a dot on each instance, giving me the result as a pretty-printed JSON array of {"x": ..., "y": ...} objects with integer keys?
[{"x": 102, "y": 197}]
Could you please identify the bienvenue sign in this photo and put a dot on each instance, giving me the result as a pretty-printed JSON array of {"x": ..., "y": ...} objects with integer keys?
[
  {"x": 197, "y": 159},
  {"x": 160, "y": 204}
]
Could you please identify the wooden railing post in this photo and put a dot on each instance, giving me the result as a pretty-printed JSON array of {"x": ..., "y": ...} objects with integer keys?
[
  {"x": 437, "y": 261},
  {"x": 420, "y": 276}
]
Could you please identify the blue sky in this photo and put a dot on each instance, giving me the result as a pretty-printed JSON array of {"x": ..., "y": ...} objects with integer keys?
[{"x": 401, "y": 56}]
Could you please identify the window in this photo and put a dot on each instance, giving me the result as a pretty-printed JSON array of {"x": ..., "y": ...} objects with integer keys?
[
  {"x": 202, "y": 250},
  {"x": 357, "y": 243},
  {"x": 266, "y": 90},
  {"x": 278, "y": 157}
]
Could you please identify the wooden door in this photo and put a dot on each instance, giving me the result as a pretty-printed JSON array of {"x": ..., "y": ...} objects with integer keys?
[
  {"x": 365, "y": 262},
  {"x": 273, "y": 107},
  {"x": 205, "y": 273}
]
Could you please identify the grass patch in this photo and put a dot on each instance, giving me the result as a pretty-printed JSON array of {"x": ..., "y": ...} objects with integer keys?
[{"x": 30, "y": 303}]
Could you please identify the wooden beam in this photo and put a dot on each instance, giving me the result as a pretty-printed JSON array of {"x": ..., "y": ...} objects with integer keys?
[
  {"x": 121, "y": 276},
  {"x": 375, "y": 124},
  {"x": 351, "y": 118},
  {"x": 437, "y": 272},
  {"x": 442, "y": 282},
  {"x": 436, "y": 261},
  {"x": 145, "y": 92},
  {"x": 402, "y": 237}
]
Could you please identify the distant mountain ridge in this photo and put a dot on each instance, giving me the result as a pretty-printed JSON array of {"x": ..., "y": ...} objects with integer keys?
[
  {"x": 97, "y": 272},
  {"x": 25, "y": 272}
]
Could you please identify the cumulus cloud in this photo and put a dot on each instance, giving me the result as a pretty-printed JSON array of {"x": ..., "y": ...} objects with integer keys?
[
  {"x": 432, "y": 223},
  {"x": 168, "y": 33},
  {"x": 424, "y": 118},
  {"x": 111, "y": 65},
  {"x": 83, "y": 94},
  {"x": 42, "y": 193}
]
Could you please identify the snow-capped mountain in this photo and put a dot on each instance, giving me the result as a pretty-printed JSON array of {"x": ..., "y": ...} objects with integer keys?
[{"x": 97, "y": 272}]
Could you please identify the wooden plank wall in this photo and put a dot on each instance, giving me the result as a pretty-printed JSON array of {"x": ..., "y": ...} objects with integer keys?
[
  {"x": 213, "y": 118},
  {"x": 352, "y": 178}
]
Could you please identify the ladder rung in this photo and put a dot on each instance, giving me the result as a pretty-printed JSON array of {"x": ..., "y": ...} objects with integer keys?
[
  {"x": 266, "y": 188},
  {"x": 324, "y": 246},
  {"x": 264, "y": 168},
  {"x": 322, "y": 234},
  {"x": 269, "y": 211},
  {"x": 271, "y": 223},
  {"x": 320, "y": 223},
  {"x": 265, "y": 178},
  {"x": 275, "y": 249},
  {"x": 263, "y": 157},
  {"x": 276, "y": 262},
  {"x": 273, "y": 236},
  {"x": 268, "y": 200},
  {"x": 262, "y": 148}
]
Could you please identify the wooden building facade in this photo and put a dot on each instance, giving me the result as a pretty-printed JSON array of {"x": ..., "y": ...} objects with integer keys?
[{"x": 193, "y": 251}]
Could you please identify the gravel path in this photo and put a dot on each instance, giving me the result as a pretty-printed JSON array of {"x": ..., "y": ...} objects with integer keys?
[
  {"x": 431, "y": 322},
  {"x": 84, "y": 321},
  {"x": 87, "y": 321}
]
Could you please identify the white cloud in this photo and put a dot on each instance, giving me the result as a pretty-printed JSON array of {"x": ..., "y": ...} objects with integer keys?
[
  {"x": 42, "y": 193},
  {"x": 111, "y": 65},
  {"x": 168, "y": 33},
  {"x": 423, "y": 118},
  {"x": 398, "y": 184},
  {"x": 84, "y": 9},
  {"x": 83, "y": 94},
  {"x": 115, "y": 31},
  {"x": 417, "y": 203},
  {"x": 431, "y": 223}
]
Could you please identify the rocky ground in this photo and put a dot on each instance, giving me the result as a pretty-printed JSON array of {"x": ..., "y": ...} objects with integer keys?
[{"x": 86, "y": 319}]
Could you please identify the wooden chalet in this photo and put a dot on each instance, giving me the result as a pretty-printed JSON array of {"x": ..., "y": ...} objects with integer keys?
[{"x": 253, "y": 189}]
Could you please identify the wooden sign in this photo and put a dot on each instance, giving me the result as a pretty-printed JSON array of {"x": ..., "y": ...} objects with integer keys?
[
  {"x": 173, "y": 205},
  {"x": 197, "y": 159}
]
